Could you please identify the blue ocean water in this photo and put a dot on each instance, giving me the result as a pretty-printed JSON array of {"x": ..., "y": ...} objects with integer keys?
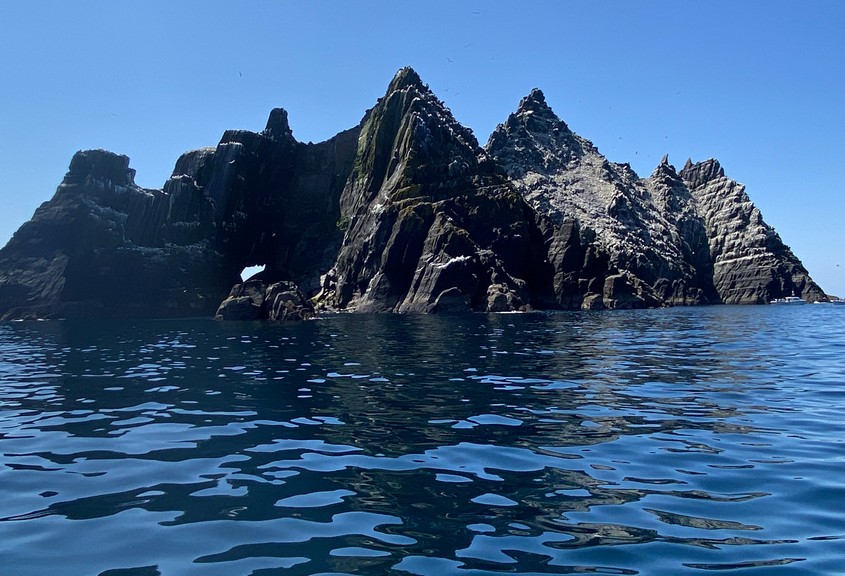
[{"x": 677, "y": 441}]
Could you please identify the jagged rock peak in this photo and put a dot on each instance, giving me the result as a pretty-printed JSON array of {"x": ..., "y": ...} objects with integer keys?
[
  {"x": 535, "y": 102},
  {"x": 664, "y": 168},
  {"x": 535, "y": 139},
  {"x": 405, "y": 78},
  {"x": 277, "y": 125},
  {"x": 409, "y": 142},
  {"x": 403, "y": 213},
  {"x": 101, "y": 165},
  {"x": 535, "y": 113},
  {"x": 701, "y": 173}
]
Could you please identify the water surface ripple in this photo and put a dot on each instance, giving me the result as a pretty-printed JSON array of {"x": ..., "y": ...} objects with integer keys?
[{"x": 680, "y": 441}]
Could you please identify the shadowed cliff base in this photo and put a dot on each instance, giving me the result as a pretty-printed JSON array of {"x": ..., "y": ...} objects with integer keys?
[{"x": 404, "y": 213}]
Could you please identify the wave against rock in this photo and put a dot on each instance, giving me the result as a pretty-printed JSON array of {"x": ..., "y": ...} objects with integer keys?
[{"x": 403, "y": 213}]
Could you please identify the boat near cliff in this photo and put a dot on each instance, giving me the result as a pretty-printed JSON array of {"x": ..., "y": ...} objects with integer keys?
[{"x": 788, "y": 300}]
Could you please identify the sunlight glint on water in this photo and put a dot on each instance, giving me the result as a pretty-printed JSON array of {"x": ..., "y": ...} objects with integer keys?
[{"x": 679, "y": 441}]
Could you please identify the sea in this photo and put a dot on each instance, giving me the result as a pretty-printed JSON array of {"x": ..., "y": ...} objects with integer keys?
[{"x": 682, "y": 441}]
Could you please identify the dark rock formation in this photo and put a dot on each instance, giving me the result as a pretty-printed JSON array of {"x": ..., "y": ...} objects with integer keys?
[
  {"x": 275, "y": 201},
  {"x": 254, "y": 300},
  {"x": 102, "y": 246},
  {"x": 432, "y": 225},
  {"x": 686, "y": 230},
  {"x": 94, "y": 250},
  {"x": 404, "y": 213}
]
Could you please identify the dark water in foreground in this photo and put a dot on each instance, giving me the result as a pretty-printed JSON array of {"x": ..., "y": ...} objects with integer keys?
[{"x": 681, "y": 441}]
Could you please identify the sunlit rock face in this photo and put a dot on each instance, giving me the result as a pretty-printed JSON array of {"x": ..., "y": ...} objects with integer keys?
[
  {"x": 617, "y": 242},
  {"x": 431, "y": 223},
  {"x": 751, "y": 264},
  {"x": 622, "y": 241},
  {"x": 403, "y": 213}
]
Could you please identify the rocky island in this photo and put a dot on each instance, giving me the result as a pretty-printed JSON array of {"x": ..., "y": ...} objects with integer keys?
[{"x": 405, "y": 213}]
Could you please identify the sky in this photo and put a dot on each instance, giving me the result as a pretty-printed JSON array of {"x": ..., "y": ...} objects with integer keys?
[{"x": 759, "y": 85}]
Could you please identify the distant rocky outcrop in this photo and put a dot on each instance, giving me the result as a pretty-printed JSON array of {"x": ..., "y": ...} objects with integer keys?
[{"x": 403, "y": 213}]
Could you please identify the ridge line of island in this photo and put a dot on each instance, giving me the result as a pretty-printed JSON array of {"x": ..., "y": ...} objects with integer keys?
[{"x": 406, "y": 213}]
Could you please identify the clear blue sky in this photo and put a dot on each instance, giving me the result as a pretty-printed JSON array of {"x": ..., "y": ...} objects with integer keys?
[{"x": 757, "y": 84}]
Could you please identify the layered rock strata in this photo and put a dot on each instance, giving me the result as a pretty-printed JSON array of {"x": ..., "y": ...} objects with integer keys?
[
  {"x": 611, "y": 246},
  {"x": 750, "y": 262},
  {"x": 432, "y": 225},
  {"x": 403, "y": 213}
]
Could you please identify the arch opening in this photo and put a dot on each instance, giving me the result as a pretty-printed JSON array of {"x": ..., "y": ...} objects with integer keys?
[{"x": 251, "y": 271}]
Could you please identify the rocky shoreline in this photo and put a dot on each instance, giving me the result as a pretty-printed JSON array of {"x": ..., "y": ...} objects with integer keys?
[{"x": 404, "y": 213}]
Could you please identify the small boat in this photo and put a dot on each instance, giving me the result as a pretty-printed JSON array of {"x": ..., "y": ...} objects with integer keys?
[
  {"x": 788, "y": 300},
  {"x": 837, "y": 300}
]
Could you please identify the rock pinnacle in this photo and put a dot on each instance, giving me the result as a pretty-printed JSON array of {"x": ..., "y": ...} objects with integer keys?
[
  {"x": 535, "y": 102},
  {"x": 405, "y": 78},
  {"x": 277, "y": 125}
]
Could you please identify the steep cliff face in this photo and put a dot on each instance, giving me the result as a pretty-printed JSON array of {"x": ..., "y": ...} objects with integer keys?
[
  {"x": 751, "y": 264},
  {"x": 431, "y": 225},
  {"x": 686, "y": 230},
  {"x": 275, "y": 200},
  {"x": 403, "y": 213},
  {"x": 611, "y": 246},
  {"x": 96, "y": 249},
  {"x": 102, "y": 246}
]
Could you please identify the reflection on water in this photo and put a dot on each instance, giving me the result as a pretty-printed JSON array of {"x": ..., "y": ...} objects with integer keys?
[{"x": 649, "y": 442}]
